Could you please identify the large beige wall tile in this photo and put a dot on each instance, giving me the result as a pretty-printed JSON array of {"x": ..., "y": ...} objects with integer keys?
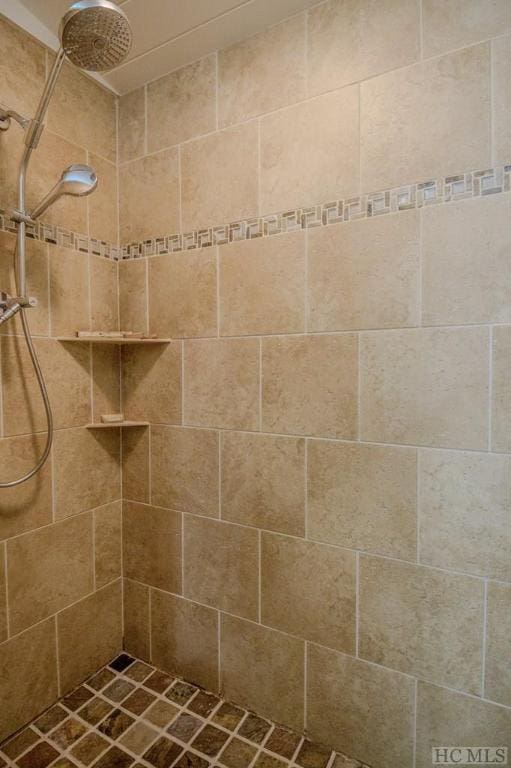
[
  {"x": 182, "y": 294},
  {"x": 28, "y": 671},
  {"x": 89, "y": 635},
  {"x": 498, "y": 644},
  {"x": 185, "y": 639},
  {"x": 360, "y": 709},
  {"x": 184, "y": 469},
  {"x": 364, "y": 274},
  {"x": 309, "y": 590},
  {"x": 151, "y": 383},
  {"x": 103, "y": 210},
  {"x": 149, "y": 197},
  {"x": 133, "y": 295},
  {"x": 501, "y": 394},
  {"x": 104, "y": 294},
  {"x": 107, "y": 543},
  {"x": 459, "y": 23},
  {"x": 136, "y": 619},
  {"x": 425, "y": 387},
  {"x": 263, "y": 481},
  {"x": 3, "y": 596},
  {"x": 69, "y": 292},
  {"x": 37, "y": 283},
  {"x": 350, "y": 40},
  {"x": 221, "y": 383},
  {"x": 28, "y": 505},
  {"x": 448, "y": 718},
  {"x": 310, "y": 152},
  {"x": 106, "y": 366},
  {"x": 263, "y": 669},
  {"x": 87, "y": 469},
  {"x": 501, "y": 115},
  {"x": 310, "y": 385},
  {"x": 429, "y": 120},
  {"x": 421, "y": 621},
  {"x": 246, "y": 72},
  {"x": 182, "y": 104},
  {"x": 152, "y": 545},
  {"x": 22, "y": 71},
  {"x": 132, "y": 125},
  {"x": 78, "y": 96},
  {"x": 221, "y": 565},
  {"x": 363, "y": 497},
  {"x": 466, "y": 249},
  {"x": 66, "y": 368},
  {"x": 219, "y": 177},
  {"x": 464, "y": 512},
  {"x": 49, "y": 569},
  {"x": 135, "y": 464},
  {"x": 262, "y": 285}
]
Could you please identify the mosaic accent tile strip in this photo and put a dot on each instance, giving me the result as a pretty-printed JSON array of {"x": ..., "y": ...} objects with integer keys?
[
  {"x": 132, "y": 714},
  {"x": 472, "y": 184}
]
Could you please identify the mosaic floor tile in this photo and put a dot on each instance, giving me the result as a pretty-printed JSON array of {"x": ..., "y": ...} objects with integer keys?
[
  {"x": 78, "y": 698},
  {"x": 68, "y": 732},
  {"x": 161, "y": 713},
  {"x": 158, "y": 722},
  {"x": 39, "y": 756},
  {"x": 95, "y": 710},
  {"x": 254, "y": 728},
  {"x": 163, "y": 753},
  {"x": 228, "y": 716},
  {"x": 51, "y": 718},
  {"x": 238, "y": 754},
  {"x": 210, "y": 740},
  {"x": 89, "y": 748},
  {"x": 185, "y": 727},
  {"x": 158, "y": 681},
  {"x": 20, "y": 743}
]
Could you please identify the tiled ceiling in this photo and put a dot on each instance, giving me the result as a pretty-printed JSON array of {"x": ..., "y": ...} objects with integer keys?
[{"x": 170, "y": 33}]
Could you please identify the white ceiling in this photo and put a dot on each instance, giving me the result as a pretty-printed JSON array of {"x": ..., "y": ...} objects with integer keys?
[{"x": 166, "y": 33}]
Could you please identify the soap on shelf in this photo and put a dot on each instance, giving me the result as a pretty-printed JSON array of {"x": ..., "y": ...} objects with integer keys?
[{"x": 112, "y": 418}]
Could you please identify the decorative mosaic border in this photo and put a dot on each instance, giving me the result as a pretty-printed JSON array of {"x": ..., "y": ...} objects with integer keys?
[{"x": 411, "y": 196}]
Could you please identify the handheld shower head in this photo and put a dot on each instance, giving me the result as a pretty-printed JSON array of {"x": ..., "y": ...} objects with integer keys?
[
  {"x": 76, "y": 180},
  {"x": 95, "y": 35}
]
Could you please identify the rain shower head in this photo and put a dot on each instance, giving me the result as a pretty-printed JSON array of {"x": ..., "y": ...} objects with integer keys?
[
  {"x": 76, "y": 180},
  {"x": 95, "y": 35}
]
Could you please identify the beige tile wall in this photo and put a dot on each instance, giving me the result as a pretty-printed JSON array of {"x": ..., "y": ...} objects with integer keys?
[
  {"x": 60, "y": 587},
  {"x": 323, "y": 491},
  {"x": 333, "y": 432}
]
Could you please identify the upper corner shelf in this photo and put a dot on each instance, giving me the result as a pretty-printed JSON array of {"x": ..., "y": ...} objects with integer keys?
[{"x": 119, "y": 340}]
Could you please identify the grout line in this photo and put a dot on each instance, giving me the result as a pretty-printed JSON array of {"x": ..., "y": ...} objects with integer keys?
[
  {"x": 259, "y": 576},
  {"x": 357, "y": 605},
  {"x": 218, "y": 290},
  {"x": 490, "y": 390},
  {"x": 217, "y": 87},
  {"x": 183, "y": 358},
  {"x": 94, "y": 564},
  {"x": 57, "y": 650},
  {"x": 418, "y": 507},
  {"x": 182, "y": 542},
  {"x": 421, "y": 31},
  {"x": 359, "y": 388},
  {"x": 414, "y": 723},
  {"x": 219, "y": 650},
  {"x": 305, "y": 676},
  {"x": 150, "y": 462},
  {"x": 306, "y": 488},
  {"x": 491, "y": 90},
  {"x": 220, "y": 459},
  {"x": 6, "y": 589},
  {"x": 146, "y": 139},
  {"x": 260, "y": 420},
  {"x": 485, "y": 638},
  {"x": 306, "y": 282},
  {"x": 150, "y": 609}
]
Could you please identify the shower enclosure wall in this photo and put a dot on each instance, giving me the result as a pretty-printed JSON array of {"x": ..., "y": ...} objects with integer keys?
[{"x": 317, "y": 520}]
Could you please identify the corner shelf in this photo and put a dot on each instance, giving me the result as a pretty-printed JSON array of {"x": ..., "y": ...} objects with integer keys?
[
  {"x": 117, "y": 424},
  {"x": 111, "y": 340}
]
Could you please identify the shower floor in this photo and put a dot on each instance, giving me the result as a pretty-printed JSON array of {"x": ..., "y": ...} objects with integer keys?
[{"x": 131, "y": 714}]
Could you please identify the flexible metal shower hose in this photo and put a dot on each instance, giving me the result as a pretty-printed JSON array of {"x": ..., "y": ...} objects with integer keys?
[{"x": 47, "y": 407}]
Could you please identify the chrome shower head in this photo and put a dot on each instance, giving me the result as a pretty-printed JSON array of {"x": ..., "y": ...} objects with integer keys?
[
  {"x": 95, "y": 35},
  {"x": 76, "y": 180}
]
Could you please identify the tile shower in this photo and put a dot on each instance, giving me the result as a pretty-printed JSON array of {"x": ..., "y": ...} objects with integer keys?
[{"x": 316, "y": 525}]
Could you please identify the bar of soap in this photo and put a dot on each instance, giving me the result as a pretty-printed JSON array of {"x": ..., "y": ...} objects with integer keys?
[{"x": 112, "y": 418}]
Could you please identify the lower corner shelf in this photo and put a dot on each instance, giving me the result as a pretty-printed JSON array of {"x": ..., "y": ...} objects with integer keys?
[{"x": 113, "y": 424}]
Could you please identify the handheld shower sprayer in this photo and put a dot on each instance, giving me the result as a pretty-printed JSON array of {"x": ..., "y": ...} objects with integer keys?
[{"x": 95, "y": 35}]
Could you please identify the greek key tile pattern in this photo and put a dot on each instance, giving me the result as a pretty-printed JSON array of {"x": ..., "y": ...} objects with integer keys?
[
  {"x": 451, "y": 188},
  {"x": 131, "y": 714}
]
